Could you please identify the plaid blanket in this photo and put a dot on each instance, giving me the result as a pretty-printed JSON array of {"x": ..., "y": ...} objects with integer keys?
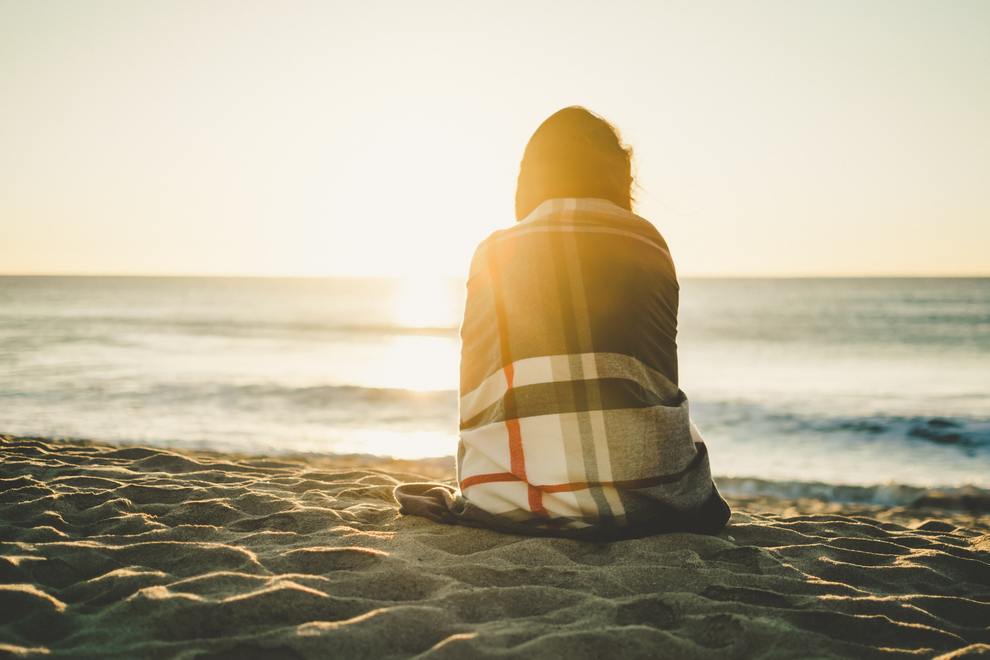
[{"x": 572, "y": 422}]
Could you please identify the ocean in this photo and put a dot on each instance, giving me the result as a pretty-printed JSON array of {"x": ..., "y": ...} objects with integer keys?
[{"x": 879, "y": 383}]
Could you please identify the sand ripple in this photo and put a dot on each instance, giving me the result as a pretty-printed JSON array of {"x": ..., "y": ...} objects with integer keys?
[{"x": 142, "y": 552}]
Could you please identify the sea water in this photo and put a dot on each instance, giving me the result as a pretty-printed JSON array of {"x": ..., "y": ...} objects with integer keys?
[{"x": 841, "y": 381}]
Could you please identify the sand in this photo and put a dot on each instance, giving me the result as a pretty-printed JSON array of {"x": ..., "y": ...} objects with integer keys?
[{"x": 113, "y": 552}]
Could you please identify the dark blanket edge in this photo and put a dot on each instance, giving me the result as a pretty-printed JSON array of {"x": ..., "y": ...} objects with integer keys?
[{"x": 440, "y": 503}]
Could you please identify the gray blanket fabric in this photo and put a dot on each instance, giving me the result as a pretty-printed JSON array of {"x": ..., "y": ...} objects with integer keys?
[{"x": 572, "y": 422}]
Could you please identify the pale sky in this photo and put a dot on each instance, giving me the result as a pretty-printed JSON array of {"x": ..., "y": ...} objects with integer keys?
[{"x": 362, "y": 138}]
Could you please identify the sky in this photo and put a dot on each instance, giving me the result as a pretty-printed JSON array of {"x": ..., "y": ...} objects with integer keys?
[{"x": 372, "y": 138}]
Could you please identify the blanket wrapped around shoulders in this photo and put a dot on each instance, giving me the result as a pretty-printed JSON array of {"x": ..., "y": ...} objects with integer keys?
[{"x": 572, "y": 422}]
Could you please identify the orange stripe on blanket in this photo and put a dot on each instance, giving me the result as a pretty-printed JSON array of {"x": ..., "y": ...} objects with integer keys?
[
  {"x": 534, "y": 494},
  {"x": 517, "y": 457},
  {"x": 517, "y": 460},
  {"x": 536, "y": 502},
  {"x": 487, "y": 479}
]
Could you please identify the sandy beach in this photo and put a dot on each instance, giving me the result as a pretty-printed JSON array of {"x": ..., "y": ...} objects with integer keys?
[{"x": 137, "y": 552}]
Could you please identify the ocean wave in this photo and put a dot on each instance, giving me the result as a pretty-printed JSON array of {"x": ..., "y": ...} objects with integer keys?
[
  {"x": 253, "y": 395},
  {"x": 965, "y": 432},
  {"x": 939, "y": 430},
  {"x": 83, "y": 328},
  {"x": 963, "y": 498}
]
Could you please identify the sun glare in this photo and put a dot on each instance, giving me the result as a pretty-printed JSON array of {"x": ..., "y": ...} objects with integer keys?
[{"x": 425, "y": 302}]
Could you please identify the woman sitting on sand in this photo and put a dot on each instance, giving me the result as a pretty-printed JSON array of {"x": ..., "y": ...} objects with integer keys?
[{"x": 572, "y": 421}]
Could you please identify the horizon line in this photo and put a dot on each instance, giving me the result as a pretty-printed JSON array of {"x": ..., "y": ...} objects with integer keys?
[{"x": 394, "y": 276}]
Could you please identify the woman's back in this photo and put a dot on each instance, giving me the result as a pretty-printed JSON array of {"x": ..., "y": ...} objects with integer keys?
[{"x": 571, "y": 417}]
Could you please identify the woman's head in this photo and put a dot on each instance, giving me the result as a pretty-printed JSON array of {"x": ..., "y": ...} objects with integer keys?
[{"x": 574, "y": 153}]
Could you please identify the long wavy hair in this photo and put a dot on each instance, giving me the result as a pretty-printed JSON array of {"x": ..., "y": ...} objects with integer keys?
[{"x": 574, "y": 153}]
